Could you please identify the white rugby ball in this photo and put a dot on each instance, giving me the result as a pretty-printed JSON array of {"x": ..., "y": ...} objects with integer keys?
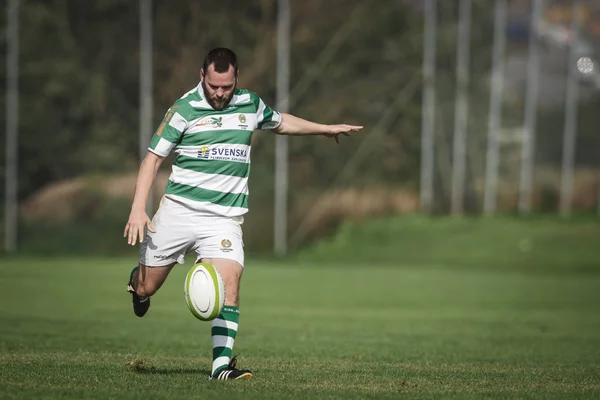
[{"x": 204, "y": 291}]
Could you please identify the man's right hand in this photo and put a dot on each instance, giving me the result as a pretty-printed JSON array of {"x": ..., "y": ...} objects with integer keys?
[{"x": 138, "y": 220}]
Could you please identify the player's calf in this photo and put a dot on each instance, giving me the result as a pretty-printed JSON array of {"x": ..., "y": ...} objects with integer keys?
[{"x": 144, "y": 281}]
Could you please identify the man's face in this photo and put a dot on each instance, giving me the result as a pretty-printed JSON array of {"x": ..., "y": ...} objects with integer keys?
[{"x": 218, "y": 86}]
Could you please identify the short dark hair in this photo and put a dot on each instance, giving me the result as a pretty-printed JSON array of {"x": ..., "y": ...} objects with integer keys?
[{"x": 222, "y": 58}]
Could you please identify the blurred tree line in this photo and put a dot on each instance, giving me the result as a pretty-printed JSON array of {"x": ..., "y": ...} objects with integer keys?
[
  {"x": 79, "y": 64},
  {"x": 351, "y": 62}
]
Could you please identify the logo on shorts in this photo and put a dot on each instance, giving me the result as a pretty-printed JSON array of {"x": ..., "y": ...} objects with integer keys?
[{"x": 226, "y": 245}]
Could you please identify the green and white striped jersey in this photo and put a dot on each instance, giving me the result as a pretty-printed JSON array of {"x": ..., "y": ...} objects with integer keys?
[{"x": 211, "y": 169}]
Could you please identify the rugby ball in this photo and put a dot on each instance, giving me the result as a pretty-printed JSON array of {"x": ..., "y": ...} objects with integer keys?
[{"x": 204, "y": 291}]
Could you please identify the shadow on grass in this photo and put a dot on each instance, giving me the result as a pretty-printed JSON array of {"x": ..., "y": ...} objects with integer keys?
[
  {"x": 143, "y": 367},
  {"x": 175, "y": 371}
]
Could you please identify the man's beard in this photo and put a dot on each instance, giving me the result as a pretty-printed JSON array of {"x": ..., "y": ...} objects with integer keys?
[{"x": 217, "y": 104}]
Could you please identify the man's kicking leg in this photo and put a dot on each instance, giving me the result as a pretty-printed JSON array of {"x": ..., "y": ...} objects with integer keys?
[
  {"x": 144, "y": 281},
  {"x": 225, "y": 326}
]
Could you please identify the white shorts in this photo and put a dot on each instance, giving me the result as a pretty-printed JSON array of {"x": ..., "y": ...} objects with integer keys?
[{"x": 180, "y": 230}]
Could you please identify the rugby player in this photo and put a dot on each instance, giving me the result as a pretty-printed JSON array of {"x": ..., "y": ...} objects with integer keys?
[{"x": 209, "y": 129}]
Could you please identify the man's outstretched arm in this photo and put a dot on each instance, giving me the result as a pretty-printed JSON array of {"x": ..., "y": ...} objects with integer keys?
[{"x": 292, "y": 125}]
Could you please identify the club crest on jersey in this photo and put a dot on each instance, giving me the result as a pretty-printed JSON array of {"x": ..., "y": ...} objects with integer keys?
[
  {"x": 226, "y": 245},
  {"x": 242, "y": 118},
  {"x": 211, "y": 122}
]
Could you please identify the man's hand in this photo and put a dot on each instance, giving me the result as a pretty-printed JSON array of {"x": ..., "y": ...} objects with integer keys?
[
  {"x": 292, "y": 125},
  {"x": 138, "y": 220},
  {"x": 334, "y": 131}
]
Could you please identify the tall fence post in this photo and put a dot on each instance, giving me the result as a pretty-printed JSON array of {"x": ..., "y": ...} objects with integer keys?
[
  {"x": 459, "y": 150},
  {"x": 495, "y": 117},
  {"x": 571, "y": 107},
  {"x": 281, "y": 141},
  {"x": 428, "y": 107},
  {"x": 531, "y": 108},
  {"x": 11, "y": 209},
  {"x": 146, "y": 90}
]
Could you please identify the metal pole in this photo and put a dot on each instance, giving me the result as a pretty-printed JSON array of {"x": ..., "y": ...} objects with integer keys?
[
  {"x": 460, "y": 118},
  {"x": 12, "y": 124},
  {"x": 495, "y": 117},
  {"x": 281, "y": 142},
  {"x": 146, "y": 90},
  {"x": 570, "y": 129},
  {"x": 531, "y": 106},
  {"x": 428, "y": 108}
]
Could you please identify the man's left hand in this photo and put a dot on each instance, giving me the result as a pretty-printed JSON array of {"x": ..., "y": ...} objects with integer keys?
[{"x": 334, "y": 131}]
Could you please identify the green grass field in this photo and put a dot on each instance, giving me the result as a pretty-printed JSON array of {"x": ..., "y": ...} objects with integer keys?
[{"x": 309, "y": 329}]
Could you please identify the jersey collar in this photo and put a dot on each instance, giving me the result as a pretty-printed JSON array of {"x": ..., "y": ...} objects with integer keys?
[{"x": 203, "y": 104}]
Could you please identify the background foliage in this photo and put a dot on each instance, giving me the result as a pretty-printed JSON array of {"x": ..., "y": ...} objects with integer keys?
[{"x": 351, "y": 62}]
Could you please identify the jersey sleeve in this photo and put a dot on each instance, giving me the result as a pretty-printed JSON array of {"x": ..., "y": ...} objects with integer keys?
[
  {"x": 169, "y": 132},
  {"x": 266, "y": 117}
]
